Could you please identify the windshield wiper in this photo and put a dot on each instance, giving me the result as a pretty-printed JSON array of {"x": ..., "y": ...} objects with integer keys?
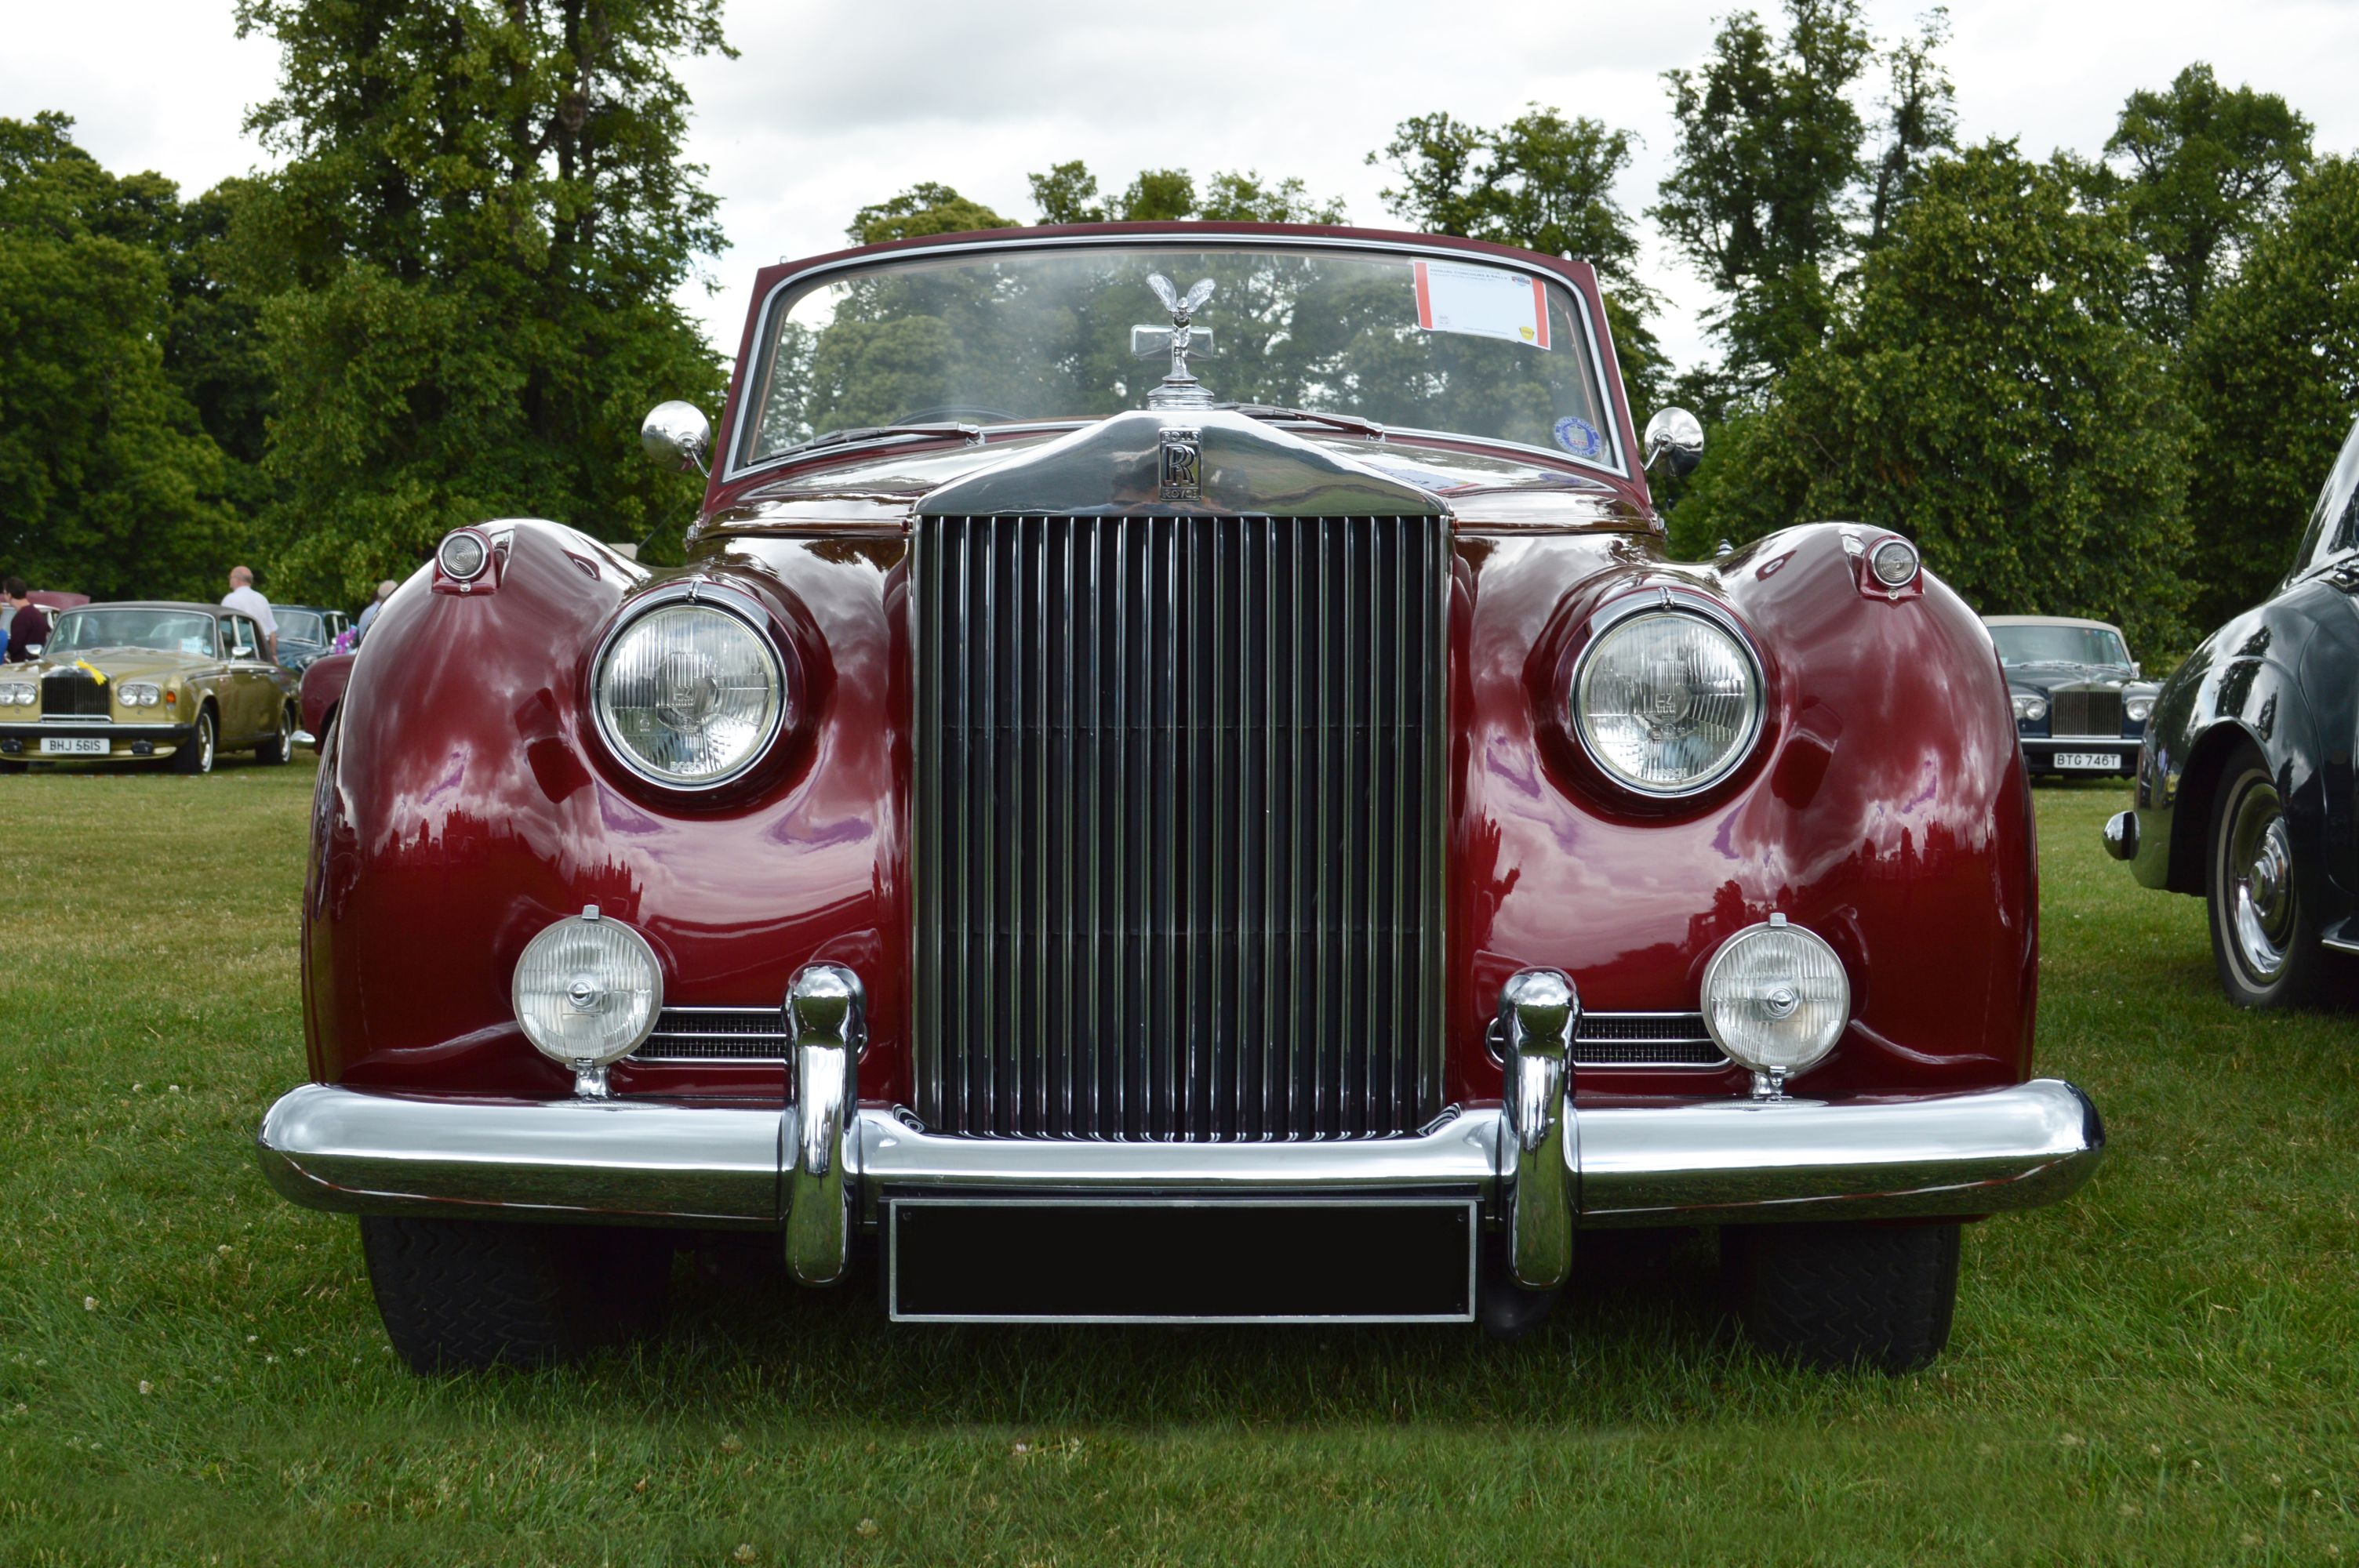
[
  {"x": 1352, "y": 422},
  {"x": 973, "y": 433}
]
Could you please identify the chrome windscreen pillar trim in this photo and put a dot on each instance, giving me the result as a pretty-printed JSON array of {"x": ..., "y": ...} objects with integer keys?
[
  {"x": 826, "y": 1016},
  {"x": 1540, "y": 1145}
]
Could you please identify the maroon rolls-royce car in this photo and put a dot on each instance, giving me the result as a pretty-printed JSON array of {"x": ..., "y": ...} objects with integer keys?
[{"x": 1178, "y": 783}]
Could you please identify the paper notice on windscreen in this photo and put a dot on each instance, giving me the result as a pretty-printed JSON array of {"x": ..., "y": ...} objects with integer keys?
[{"x": 1482, "y": 300}]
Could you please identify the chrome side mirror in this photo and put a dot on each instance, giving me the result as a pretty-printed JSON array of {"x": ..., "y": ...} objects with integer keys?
[
  {"x": 676, "y": 435},
  {"x": 1679, "y": 434}
]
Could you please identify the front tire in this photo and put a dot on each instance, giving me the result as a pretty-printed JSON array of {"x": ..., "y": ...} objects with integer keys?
[
  {"x": 195, "y": 753},
  {"x": 456, "y": 1294},
  {"x": 2264, "y": 936},
  {"x": 1844, "y": 1295}
]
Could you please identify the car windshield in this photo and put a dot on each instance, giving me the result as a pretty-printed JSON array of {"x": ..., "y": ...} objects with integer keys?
[
  {"x": 2060, "y": 645},
  {"x": 1444, "y": 343},
  {"x": 299, "y": 626},
  {"x": 164, "y": 631}
]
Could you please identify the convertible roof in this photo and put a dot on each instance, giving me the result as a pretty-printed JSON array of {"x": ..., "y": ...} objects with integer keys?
[{"x": 2047, "y": 620}]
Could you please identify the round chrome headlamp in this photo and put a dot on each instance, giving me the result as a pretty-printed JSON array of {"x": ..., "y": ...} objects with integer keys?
[
  {"x": 464, "y": 556},
  {"x": 21, "y": 694},
  {"x": 2030, "y": 708},
  {"x": 139, "y": 694},
  {"x": 689, "y": 692},
  {"x": 1894, "y": 563},
  {"x": 1776, "y": 998},
  {"x": 587, "y": 991},
  {"x": 2135, "y": 708},
  {"x": 1668, "y": 701}
]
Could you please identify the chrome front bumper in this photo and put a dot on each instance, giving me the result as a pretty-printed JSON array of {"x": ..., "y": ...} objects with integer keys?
[{"x": 1692, "y": 1162}]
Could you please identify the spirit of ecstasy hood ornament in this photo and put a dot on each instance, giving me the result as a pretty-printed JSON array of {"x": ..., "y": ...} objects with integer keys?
[{"x": 1179, "y": 390}]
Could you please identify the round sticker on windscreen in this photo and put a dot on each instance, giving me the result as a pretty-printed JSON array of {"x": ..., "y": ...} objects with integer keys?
[{"x": 1579, "y": 436}]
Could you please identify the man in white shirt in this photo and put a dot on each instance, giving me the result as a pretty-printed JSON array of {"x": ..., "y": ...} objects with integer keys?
[{"x": 242, "y": 597}]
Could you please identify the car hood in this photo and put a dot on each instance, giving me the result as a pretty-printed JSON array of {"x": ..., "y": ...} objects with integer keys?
[{"x": 2076, "y": 677}]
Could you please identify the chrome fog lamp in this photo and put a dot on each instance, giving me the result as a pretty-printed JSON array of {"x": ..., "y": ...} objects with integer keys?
[
  {"x": 689, "y": 693},
  {"x": 1668, "y": 701},
  {"x": 1894, "y": 563},
  {"x": 464, "y": 556},
  {"x": 1775, "y": 999},
  {"x": 2029, "y": 709},
  {"x": 2137, "y": 708},
  {"x": 587, "y": 992}
]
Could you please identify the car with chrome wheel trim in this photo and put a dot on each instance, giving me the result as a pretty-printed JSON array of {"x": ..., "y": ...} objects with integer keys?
[
  {"x": 147, "y": 682},
  {"x": 1177, "y": 783},
  {"x": 2244, "y": 795}
]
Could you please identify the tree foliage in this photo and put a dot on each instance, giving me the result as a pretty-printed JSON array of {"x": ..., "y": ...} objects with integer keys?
[
  {"x": 466, "y": 266},
  {"x": 926, "y": 208},
  {"x": 2273, "y": 373},
  {"x": 1067, "y": 193},
  {"x": 1991, "y": 398},
  {"x": 109, "y": 483},
  {"x": 2199, "y": 171},
  {"x": 1770, "y": 178}
]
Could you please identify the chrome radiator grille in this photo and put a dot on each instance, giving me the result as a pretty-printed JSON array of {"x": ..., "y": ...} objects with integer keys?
[
  {"x": 1178, "y": 818},
  {"x": 2089, "y": 713},
  {"x": 70, "y": 693}
]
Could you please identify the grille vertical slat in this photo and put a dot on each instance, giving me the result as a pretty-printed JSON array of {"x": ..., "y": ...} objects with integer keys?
[{"x": 1177, "y": 866}]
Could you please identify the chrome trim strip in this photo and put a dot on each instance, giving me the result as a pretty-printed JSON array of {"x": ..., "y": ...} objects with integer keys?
[
  {"x": 825, "y": 1007},
  {"x": 1684, "y": 1163},
  {"x": 359, "y": 1152},
  {"x": 893, "y": 1256},
  {"x": 735, "y": 436}
]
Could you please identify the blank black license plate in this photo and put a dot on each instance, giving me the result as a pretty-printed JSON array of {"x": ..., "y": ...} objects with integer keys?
[{"x": 1063, "y": 1260}]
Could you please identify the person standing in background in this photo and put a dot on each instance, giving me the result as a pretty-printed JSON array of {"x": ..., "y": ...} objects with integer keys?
[
  {"x": 28, "y": 628},
  {"x": 383, "y": 591},
  {"x": 242, "y": 598}
]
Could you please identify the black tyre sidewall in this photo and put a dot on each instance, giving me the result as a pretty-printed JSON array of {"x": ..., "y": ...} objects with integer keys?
[
  {"x": 193, "y": 757},
  {"x": 2298, "y": 982}
]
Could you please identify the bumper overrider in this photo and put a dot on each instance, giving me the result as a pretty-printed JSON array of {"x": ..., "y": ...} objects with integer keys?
[{"x": 824, "y": 1168}]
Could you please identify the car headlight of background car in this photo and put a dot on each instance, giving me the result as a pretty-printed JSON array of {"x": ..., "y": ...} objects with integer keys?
[
  {"x": 2030, "y": 708},
  {"x": 2135, "y": 708},
  {"x": 20, "y": 694},
  {"x": 139, "y": 694},
  {"x": 691, "y": 692},
  {"x": 1668, "y": 701}
]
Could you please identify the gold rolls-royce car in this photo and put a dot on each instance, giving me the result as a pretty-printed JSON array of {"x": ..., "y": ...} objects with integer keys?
[{"x": 152, "y": 681}]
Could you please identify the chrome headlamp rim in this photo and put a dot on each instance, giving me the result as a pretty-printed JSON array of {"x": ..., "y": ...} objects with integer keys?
[
  {"x": 473, "y": 535},
  {"x": 1663, "y": 600},
  {"x": 703, "y": 595},
  {"x": 635, "y": 939}
]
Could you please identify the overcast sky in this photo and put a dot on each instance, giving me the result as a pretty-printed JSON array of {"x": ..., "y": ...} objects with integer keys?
[{"x": 833, "y": 104}]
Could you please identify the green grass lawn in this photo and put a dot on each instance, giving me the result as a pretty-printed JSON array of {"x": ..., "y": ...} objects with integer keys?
[{"x": 2164, "y": 1369}]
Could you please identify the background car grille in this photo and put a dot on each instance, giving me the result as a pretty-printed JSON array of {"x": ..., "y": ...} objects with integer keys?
[
  {"x": 1178, "y": 826},
  {"x": 2085, "y": 713},
  {"x": 71, "y": 694},
  {"x": 759, "y": 1034}
]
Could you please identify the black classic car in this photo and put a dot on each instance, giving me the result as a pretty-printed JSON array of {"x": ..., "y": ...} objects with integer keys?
[
  {"x": 2079, "y": 706},
  {"x": 2244, "y": 793},
  {"x": 306, "y": 631}
]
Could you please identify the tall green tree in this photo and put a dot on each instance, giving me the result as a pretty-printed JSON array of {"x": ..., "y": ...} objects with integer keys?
[
  {"x": 1541, "y": 182},
  {"x": 2273, "y": 372},
  {"x": 467, "y": 262},
  {"x": 1991, "y": 397},
  {"x": 2200, "y": 170},
  {"x": 109, "y": 483},
  {"x": 926, "y": 208},
  {"x": 1067, "y": 193}
]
